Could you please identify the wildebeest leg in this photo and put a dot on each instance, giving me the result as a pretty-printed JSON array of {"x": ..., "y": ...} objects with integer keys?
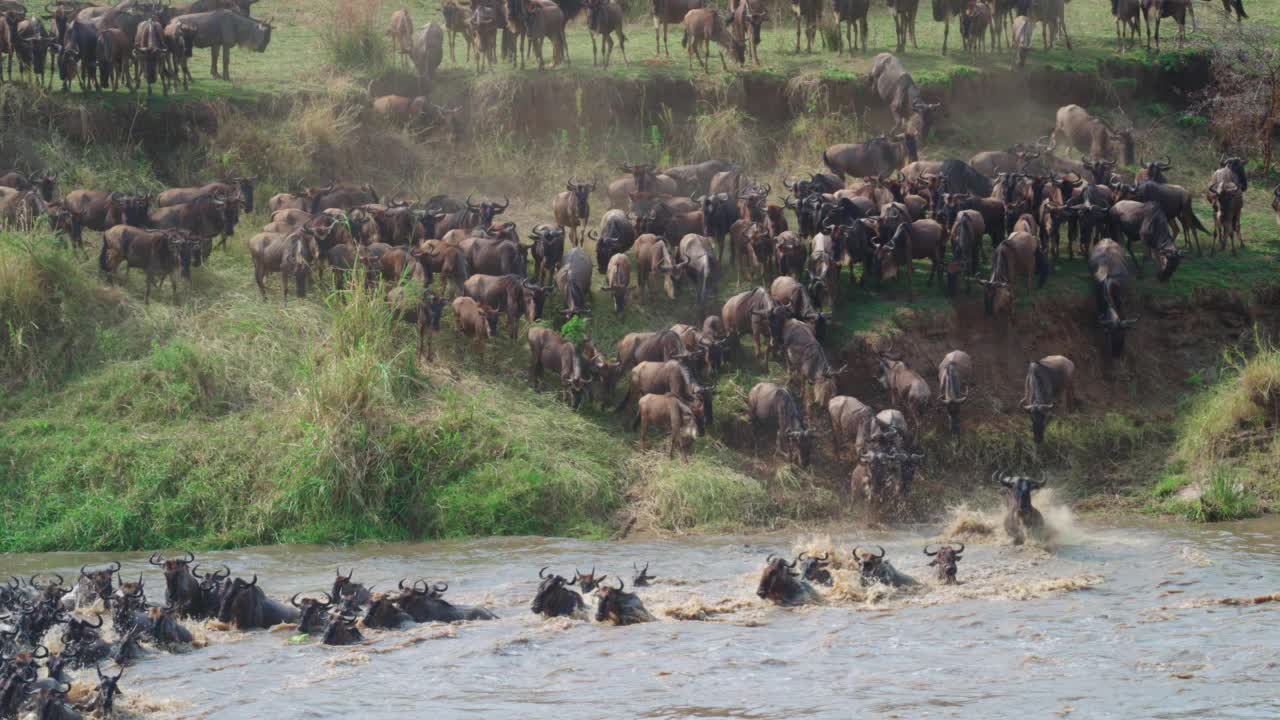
[
  {"x": 593, "y": 50},
  {"x": 226, "y": 63},
  {"x": 946, "y": 31},
  {"x": 213, "y": 54}
]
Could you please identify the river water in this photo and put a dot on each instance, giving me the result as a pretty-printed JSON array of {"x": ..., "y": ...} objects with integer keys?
[{"x": 1110, "y": 622}]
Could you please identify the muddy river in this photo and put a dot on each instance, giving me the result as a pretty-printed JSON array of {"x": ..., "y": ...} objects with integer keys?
[{"x": 1110, "y": 622}]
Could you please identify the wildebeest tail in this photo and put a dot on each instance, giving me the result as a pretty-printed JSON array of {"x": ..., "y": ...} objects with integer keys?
[
  {"x": 635, "y": 422},
  {"x": 1191, "y": 218},
  {"x": 102, "y": 255},
  {"x": 1042, "y": 267},
  {"x": 827, "y": 161},
  {"x": 1240, "y": 9},
  {"x": 684, "y": 39}
]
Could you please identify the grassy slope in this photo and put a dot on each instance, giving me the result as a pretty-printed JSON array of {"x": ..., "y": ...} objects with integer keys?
[{"x": 222, "y": 420}]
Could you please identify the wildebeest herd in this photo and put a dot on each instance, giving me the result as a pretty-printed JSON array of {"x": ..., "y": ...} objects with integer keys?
[{"x": 35, "y": 681}]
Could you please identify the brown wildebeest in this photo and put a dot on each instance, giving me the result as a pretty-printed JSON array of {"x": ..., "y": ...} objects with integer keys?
[
  {"x": 906, "y": 388},
  {"x": 1128, "y": 15},
  {"x": 1156, "y": 10},
  {"x": 546, "y": 22},
  {"x": 1146, "y": 223},
  {"x": 670, "y": 12},
  {"x": 1237, "y": 6},
  {"x": 789, "y": 292},
  {"x": 1226, "y": 194},
  {"x": 484, "y": 24},
  {"x": 824, "y": 268},
  {"x": 955, "y": 368},
  {"x": 703, "y": 27},
  {"x": 114, "y": 52},
  {"x": 973, "y": 27},
  {"x": 755, "y": 311},
  {"x": 513, "y": 294},
  {"x": 205, "y": 216},
  {"x": 707, "y": 343},
  {"x": 808, "y": 12},
  {"x": 228, "y": 188},
  {"x": 618, "y": 280},
  {"x": 638, "y": 347},
  {"x": 1053, "y": 18},
  {"x": 222, "y": 30},
  {"x": 290, "y": 254},
  {"x": 1176, "y": 202},
  {"x": 149, "y": 56},
  {"x": 876, "y": 158},
  {"x": 916, "y": 240},
  {"x": 1019, "y": 256},
  {"x": 771, "y": 406},
  {"x": 1021, "y": 519},
  {"x": 548, "y": 350},
  {"x": 751, "y": 240},
  {"x": 46, "y": 185},
  {"x": 904, "y": 21},
  {"x": 788, "y": 254},
  {"x": 401, "y": 34},
  {"x": 642, "y": 181},
  {"x": 100, "y": 211},
  {"x": 572, "y": 210},
  {"x": 1023, "y": 33},
  {"x": 1112, "y": 285},
  {"x": 604, "y": 18},
  {"x": 654, "y": 260},
  {"x": 853, "y": 14},
  {"x": 696, "y": 261},
  {"x": 1012, "y": 160},
  {"x": 851, "y": 423},
  {"x": 424, "y": 314},
  {"x": 943, "y": 11},
  {"x": 20, "y": 208},
  {"x": 807, "y": 361},
  {"x": 966, "y": 248},
  {"x": 669, "y": 411},
  {"x": 1091, "y": 136},
  {"x": 912, "y": 115},
  {"x": 180, "y": 40},
  {"x": 782, "y": 585},
  {"x": 427, "y": 53},
  {"x": 399, "y": 108},
  {"x": 746, "y": 23},
  {"x": 288, "y": 201},
  {"x": 475, "y": 320},
  {"x": 573, "y": 280},
  {"x": 1047, "y": 379},
  {"x": 670, "y": 377},
  {"x": 945, "y": 559},
  {"x": 162, "y": 253},
  {"x": 456, "y": 23}
]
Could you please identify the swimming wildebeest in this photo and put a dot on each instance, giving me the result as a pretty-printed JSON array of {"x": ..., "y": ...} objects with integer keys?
[
  {"x": 1112, "y": 284},
  {"x": 771, "y": 406},
  {"x": 1047, "y": 379},
  {"x": 873, "y": 569},
  {"x": 782, "y": 585},
  {"x": 642, "y": 576},
  {"x": 313, "y": 613},
  {"x": 222, "y": 30},
  {"x": 953, "y": 372},
  {"x": 554, "y": 598},
  {"x": 341, "y": 628},
  {"x": 1092, "y": 136},
  {"x": 814, "y": 568},
  {"x": 945, "y": 559},
  {"x": 427, "y": 604},
  {"x": 615, "y": 606},
  {"x": 347, "y": 590},
  {"x": 245, "y": 606},
  {"x": 95, "y": 585},
  {"x": 1021, "y": 519}
]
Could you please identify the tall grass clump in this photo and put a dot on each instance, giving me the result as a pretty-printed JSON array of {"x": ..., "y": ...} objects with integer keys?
[
  {"x": 354, "y": 41},
  {"x": 728, "y": 133},
  {"x": 676, "y": 496}
]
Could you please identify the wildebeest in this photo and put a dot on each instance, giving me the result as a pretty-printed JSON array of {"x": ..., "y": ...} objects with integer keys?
[
  {"x": 312, "y": 613},
  {"x": 30, "y": 42},
  {"x": 641, "y": 182},
  {"x": 1021, "y": 519},
  {"x": 1092, "y": 136},
  {"x": 615, "y": 606},
  {"x": 20, "y": 208},
  {"x": 245, "y": 606},
  {"x": 45, "y": 184},
  {"x": 456, "y": 23},
  {"x": 966, "y": 248},
  {"x": 696, "y": 178},
  {"x": 339, "y": 196},
  {"x": 642, "y": 576},
  {"x": 697, "y": 261},
  {"x": 906, "y": 388},
  {"x": 745, "y": 22},
  {"x": 179, "y": 41},
  {"x": 904, "y": 21},
  {"x": 771, "y": 406},
  {"x": 554, "y": 598},
  {"x": 973, "y": 26},
  {"x": 895, "y": 86},
  {"x": 573, "y": 280},
  {"x": 654, "y": 377},
  {"x": 95, "y": 585},
  {"x": 1018, "y": 257},
  {"x": 670, "y": 12},
  {"x": 814, "y": 568},
  {"x": 231, "y": 187},
  {"x": 1128, "y": 14},
  {"x": 1226, "y": 195},
  {"x": 875, "y": 569},
  {"x": 756, "y": 311},
  {"x": 945, "y": 559},
  {"x": 1146, "y": 223},
  {"x": 670, "y": 411},
  {"x": 161, "y": 253},
  {"x": 617, "y": 235},
  {"x": 852, "y": 423},
  {"x": 291, "y": 254},
  {"x": 618, "y": 280},
  {"x": 704, "y": 26},
  {"x": 427, "y": 604},
  {"x": 782, "y": 585},
  {"x": 401, "y": 33},
  {"x": 341, "y": 628},
  {"x": 548, "y": 250},
  {"x": 1156, "y": 10},
  {"x": 719, "y": 213},
  {"x": 653, "y": 259},
  {"x": 114, "y": 48},
  {"x": 1275, "y": 202},
  {"x": 1048, "y": 379},
  {"x": 953, "y": 373},
  {"x": 545, "y": 20},
  {"x": 605, "y": 18},
  {"x": 853, "y": 15},
  {"x": 513, "y": 294},
  {"x": 807, "y": 361},
  {"x": 877, "y": 157},
  {"x": 222, "y": 30},
  {"x": 808, "y": 12},
  {"x": 912, "y": 241},
  {"x": 548, "y": 350},
  {"x": 1052, "y": 16},
  {"x": 1112, "y": 284},
  {"x": 943, "y": 11},
  {"x": 572, "y": 210},
  {"x": 475, "y": 320}
]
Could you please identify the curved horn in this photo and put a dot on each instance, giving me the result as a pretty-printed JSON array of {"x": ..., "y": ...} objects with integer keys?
[
  {"x": 190, "y": 558},
  {"x": 294, "y": 600},
  {"x": 115, "y": 569},
  {"x": 961, "y": 549},
  {"x": 926, "y": 550},
  {"x": 881, "y": 552},
  {"x": 440, "y": 588},
  {"x": 621, "y": 584},
  {"x": 541, "y": 575}
]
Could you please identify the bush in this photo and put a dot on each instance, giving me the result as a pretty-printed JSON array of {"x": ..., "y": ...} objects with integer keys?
[{"x": 354, "y": 41}]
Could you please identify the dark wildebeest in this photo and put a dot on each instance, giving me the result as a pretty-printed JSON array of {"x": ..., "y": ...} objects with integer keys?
[
  {"x": 401, "y": 33},
  {"x": 342, "y": 197},
  {"x": 782, "y": 585},
  {"x": 877, "y": 157},
  {"x": 346, "y": 590},
  {"x": 312, "y": 613},
  {"x": 756, "y": 311},
  {"x": 79, "y": 52},
  {"x": 1226, "y": 195},
  {"x": 943, "y": 11},
  {"x": 945, "y": 559},
  {"x": 554, "y": 598},
  {"x": 573, "y": 280},
  {"x": 483, "y": 26},
  {"x": 1177, "y": 10},
  {"x": 618, "y": 607},
  {"x": 1146, "y": 223},
  {"x": 1128, "y": 15},
  {"x": 513, "y": 294},
  {"x": 670, "y": 12},
  {"x": 807, "y": 361},
  {"x": 383, "y": 612},
  {"x": 162, "y": 253},
  {"x": 244, "y": 186},
  {"x": 912, "y": 115},
  {"x": 617, "y": 235},
  {"x": 771, "y": 406},
  {"x": 1019, "y": 256},
  {"x": 719, "y": 213},
  {"x": 808, "y": 12},
  {"x": 424, "y": 312},
  {"x": 1021, "y": 519},
  {"x": 653, "y": 259},
  {"x": 1175, "y": 200},
  {"x": 149, "y": 53},
  {"x": 245, "y": 606},
  {"x": 953, "y": 373},
  {"x": 704, "y": 26},
  {"x": 853, "y": 15},
  {"x": 548, "y": 250},
  {"x": 973, "y": 27},
  {"x": 546, "y": 21},
  {"x": 966, "y": 248},
  {"x": 746, "y": 23},
  {"x": 642, "y": 183},
  {"x": 916, "y": 240},
  {"x": 114, "y": 51},
  {"x": 291, "y": 254},
  {"x": 571, "y": 209},
  {"x": 1052, "y": 16},
  {"x": 904, "y": 21},
  {"x": 446, "y": 260},
  {"x": 182, "y": 587},
  {"x": 548, "y": 350},
  {"x": 788, "y": 254},
  {"x": 814, "y": 568},
  {"x": 46, "y": 185},
  {"x": 456, "y": 23},
  {"x": 905, "y": 386},
  {"x": 852, "y": 422},
  {"x": 604, "y": 18},
  {"x": 1112, "y": 285},
  {"x": 427, "y": 604},
  {"x": 642, "y": 576},
  {"x": 1092, "y": 136},
  {"x": 1047, "y": 379},
  {"x": 640, "y": 347},
  {"x": 164, "y": 628},
  {"x": 341, "y": 628},
  {"x": 222, "y": 30},
  {"x": 873, "y": 569}
]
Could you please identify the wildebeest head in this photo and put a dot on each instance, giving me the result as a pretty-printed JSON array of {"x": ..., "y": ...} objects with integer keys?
[
  {"x": 642, "y": 576},
  {"x": 100, "y": 581},
  {"x": 945, "y": 559},
  {"x": 586, "y": 581},
  {"x": 341, "y": 629},
  {"x": 535, "y": 296},
  {"x": 164, "y": 626},
  {"x": 614, "y": 604},
  {"x": 108, "y": 687},
  {"x": 553, "y": 597},
  {"x": 779, "y": 584},
  {"x": 238, "y": 602},
  {"x": 1156, "y": 171},
  {"x": 871, "y": 567},
  {"x": 641, "y": 173},
  {"x": 344, "y": 587},
  {"x": 131, "y": 594},
  {"x": 581, "y": 191},
  {"x": 1018, "y": 489},
  {"x": 1157, "y": 235},
  {"x": 814, "y": 568},
  {"x": 952, "y": 395},
  {"x": 487, "y": 211},
  {"x": 314, "y": 614}
]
